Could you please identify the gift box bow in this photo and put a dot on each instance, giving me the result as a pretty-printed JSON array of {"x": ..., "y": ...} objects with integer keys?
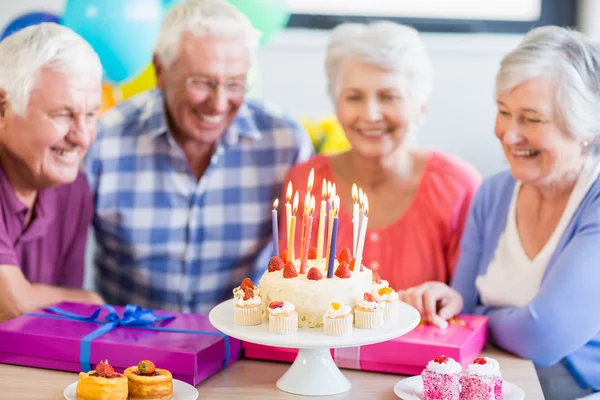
[{"x": 133, "y": 317}]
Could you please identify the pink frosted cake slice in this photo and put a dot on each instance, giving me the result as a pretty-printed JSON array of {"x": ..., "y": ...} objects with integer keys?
[
  {"x": 441, "y": 379},
  {"x": 482, "y": 380}
]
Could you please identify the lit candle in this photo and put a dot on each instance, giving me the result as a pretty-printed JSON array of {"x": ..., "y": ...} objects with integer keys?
[
  {"x": 309, "y": 186},
  {"x": 362, "y": 235},
  {"x": 330, "y": 261},
  {"x": 355, "y": 219},
  {"x": 288, "y": 210},
  {"x": 321, "y": 232},
  {"x": 332, "y": 196},
  {"x": 275, "y": 228},
  {"x": 361, "y": 200},
  {"x": 309, "y": 221},
  {"x": 291, "y": 255}
]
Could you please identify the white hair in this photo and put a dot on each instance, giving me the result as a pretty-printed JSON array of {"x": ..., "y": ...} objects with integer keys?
[
  {"x": 385, "y": 44},
  {"x": 201, "y": 18},
  {"x": 572, "y": 62},
  {"x": 47, "y": 45}
]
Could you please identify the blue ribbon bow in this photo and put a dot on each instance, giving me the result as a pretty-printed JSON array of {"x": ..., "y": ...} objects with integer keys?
[{"x": 133, "y": 316}]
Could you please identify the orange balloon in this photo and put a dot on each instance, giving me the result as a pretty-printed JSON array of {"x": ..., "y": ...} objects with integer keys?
[{"x": 108, "y": 98}]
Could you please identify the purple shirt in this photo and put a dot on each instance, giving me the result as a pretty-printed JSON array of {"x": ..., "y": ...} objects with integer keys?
[{"x": 52, "y": 248}]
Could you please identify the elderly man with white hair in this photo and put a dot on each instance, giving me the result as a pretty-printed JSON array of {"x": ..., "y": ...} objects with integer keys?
[
  {"x": 380, "y": 79},
  {"x": 50, "y": 94},
  {"x": 185, "y": 175}
]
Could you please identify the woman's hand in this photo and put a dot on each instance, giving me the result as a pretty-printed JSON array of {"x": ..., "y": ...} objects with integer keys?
[{"x": 435, "y": 301}]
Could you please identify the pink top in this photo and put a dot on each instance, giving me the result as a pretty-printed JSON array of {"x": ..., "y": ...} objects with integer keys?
[{"x": 421, "y": 245}]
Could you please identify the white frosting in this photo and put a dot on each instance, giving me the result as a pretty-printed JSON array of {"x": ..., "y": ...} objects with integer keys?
[
  {"x": 490, "y": 368},
  {"x": 252, "y": 301},
  {"x": 377, "y": 286},
  {"x": 388, "y": 297},
  {"x": 371, "y": 305},
  {"x": 285, "y": 309},
  {"x": 333, "y": 313},
  {"x": 313, "y": 298},
  {"x": 450, "y": 366}
]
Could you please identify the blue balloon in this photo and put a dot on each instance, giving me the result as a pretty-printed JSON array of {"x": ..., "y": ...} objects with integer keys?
[
  {"x": 169, "y": 3},
  {"x": 25, "y": 20},
  {"x": 123, "y": 32}
]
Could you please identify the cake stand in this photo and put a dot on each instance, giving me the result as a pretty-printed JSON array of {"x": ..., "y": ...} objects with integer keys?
[{"x": 313, "y": 373}]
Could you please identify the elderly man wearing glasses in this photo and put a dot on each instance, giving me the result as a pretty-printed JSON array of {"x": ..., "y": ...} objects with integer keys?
[{"x": 184, "y": 176}]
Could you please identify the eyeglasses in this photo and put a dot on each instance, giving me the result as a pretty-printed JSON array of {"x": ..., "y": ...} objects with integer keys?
[{"x": 204, "y": 86}]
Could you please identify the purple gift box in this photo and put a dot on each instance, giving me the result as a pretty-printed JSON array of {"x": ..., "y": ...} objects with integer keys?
[{"x": 47, "y": 340}]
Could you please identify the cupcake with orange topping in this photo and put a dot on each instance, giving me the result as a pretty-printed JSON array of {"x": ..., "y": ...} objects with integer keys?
[
  {"x": 368, "y": 313},
  {"x": 248, "y": 309},
  {"x": 283, "y": 318},
  {"x": 378, "y": 283},
  {"x": 391, "y": 299},
  {"x": 337, "y": 320},
  {"x": 247, "y": 283}
]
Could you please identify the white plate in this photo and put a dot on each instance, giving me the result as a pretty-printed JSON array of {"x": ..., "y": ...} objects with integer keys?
[
  {"x": 412, "y": 389},
  {"x": 222, "y": 318},
  {"x": 181, "y": 391}
]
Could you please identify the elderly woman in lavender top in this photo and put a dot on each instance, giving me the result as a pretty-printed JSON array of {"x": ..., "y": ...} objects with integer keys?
[
  {"x": 531, "y": 247},
  {"x": 50, "y": 94}
]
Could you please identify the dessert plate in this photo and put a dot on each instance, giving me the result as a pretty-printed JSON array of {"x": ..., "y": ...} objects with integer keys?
[
  {"x": 181, "y": 391},
  {"x": 412, "y": 389}
]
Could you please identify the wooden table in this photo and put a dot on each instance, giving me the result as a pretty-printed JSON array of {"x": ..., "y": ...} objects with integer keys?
[{"x": 254, "y": 380}]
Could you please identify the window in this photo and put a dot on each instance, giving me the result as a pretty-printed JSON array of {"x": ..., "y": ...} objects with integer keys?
[{"x": 436, "y": 15}]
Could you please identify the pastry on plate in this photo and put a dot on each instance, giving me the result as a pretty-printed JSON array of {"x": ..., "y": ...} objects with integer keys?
[
  {"x": 146, "y": 382},
  {"x": 103, "y": 383}
]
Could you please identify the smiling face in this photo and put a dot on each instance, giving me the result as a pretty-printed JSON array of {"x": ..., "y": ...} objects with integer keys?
[
  {"x": 374, "y": 110},
  {"x": 205, "y": 86},
  {"x": 536, "y": 146},
  {"x": 45, "y": 146}
]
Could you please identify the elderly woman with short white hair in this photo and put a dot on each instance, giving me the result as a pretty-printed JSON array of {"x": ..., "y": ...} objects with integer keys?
[
  {"x": 379, "y": 79},
  {"x": 529, "y": 256}
]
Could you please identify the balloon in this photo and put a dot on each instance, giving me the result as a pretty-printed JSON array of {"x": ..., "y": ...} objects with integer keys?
[
  {"x": 25, "y": 20},
  {"x": 123, "y": 33},
  {"x": 169, "y": 3},
  {"x": 268, "y": 16},
  {"x": 108, "y": 98},
  {"x": 146, "y": 80}
]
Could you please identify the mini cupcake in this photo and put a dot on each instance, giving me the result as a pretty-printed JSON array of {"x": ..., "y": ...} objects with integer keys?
[
  {"x": 378, "y": 283},
  {"x": 239, "y": 291},
  {"x": 391, "y": 299},
  {"x": 248, "y": 309},
  {"x": 337, "y": 320},
  {"x": 441, "y": 379},
  {"x": 482, "y": 380},
  {"x": 283, "y": 318},
  {"x": 369, "y": 313}
]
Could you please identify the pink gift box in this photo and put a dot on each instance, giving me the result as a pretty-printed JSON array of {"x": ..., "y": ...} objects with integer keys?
[
  {"x": 463, "y": 340},
  {"x": 54, "y": 343}
]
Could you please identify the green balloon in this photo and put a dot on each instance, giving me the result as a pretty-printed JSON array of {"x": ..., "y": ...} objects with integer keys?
[{"x": 268, "y": 16}]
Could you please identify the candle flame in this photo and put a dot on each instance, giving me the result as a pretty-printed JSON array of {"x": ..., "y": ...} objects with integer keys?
[
  {"x": 333, "y": 191},
  {"x": 288, "y": 194},
  {"x": 324, "y": 189},
  {"x": 295, "y": 206},
  {"x": 354, "y": 193},
  {"x": 366, "y": 206},
  {"x": 307, "y": 202},
  {"x": 275, "y": 204},
  {"x": 312, "y": 204},
  {"x": 311, "y": 179},
  {"x": 337, "y": 205},
  {"x": 361, "y": 197},
  {"x": 328, "y": 189}
]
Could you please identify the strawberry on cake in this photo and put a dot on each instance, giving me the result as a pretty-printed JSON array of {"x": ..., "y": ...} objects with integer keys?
[
  {"x": 441, "y": 379},
  {"x": 482, "y": 380}
]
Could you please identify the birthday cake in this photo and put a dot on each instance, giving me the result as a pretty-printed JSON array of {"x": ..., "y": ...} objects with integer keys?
[{"x": 312, "y": 293}]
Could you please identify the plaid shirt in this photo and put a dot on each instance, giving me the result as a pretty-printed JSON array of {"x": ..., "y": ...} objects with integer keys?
[{"x": 165, "y": 240}]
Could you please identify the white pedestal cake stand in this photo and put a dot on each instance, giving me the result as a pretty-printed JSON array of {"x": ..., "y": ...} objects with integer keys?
[{"x": 313, "y": 373}]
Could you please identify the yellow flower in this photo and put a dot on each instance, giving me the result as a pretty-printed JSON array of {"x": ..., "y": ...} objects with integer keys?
[{"x": 327, "y": 135}]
